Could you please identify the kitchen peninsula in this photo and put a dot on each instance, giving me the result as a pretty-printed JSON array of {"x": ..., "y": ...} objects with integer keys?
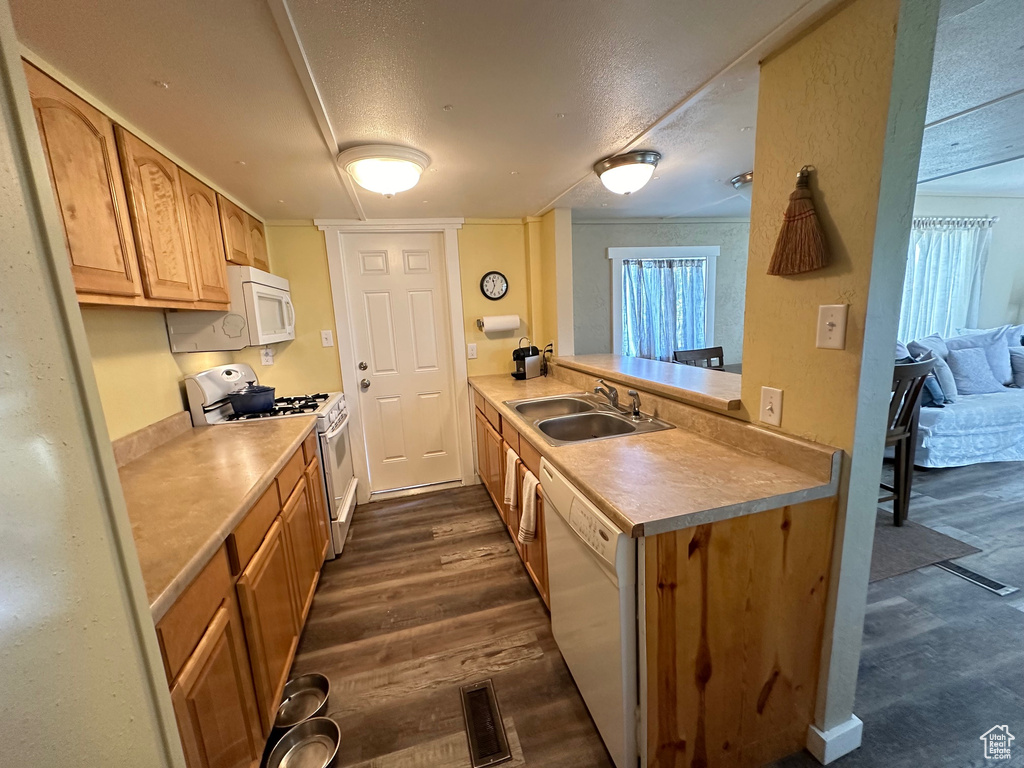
[{"x": 733, "y": 526}]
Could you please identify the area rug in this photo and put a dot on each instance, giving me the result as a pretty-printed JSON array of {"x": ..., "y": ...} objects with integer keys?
[{"x": 909, "y": 547}]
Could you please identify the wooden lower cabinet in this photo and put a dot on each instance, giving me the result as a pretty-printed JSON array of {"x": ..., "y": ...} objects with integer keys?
[
  {"x": 318, "y": 508},
  {"x": 535, "y": 555},
  {"x": 304, "y": 545},
  {"x": 270, "y": 618},
  {"x": 213, "y": 698}
]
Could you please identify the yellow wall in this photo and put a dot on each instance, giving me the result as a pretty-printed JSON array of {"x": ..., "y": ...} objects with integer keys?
[
  {"x": 485, "y": 245},
  {"x": 806, "y": 113},
  {"x": 139, "y": 380},
  {"x": 299, "y": 254}
]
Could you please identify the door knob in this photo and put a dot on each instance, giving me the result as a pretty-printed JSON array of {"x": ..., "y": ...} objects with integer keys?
[
  {"x": 365, "y": 383},
  {"x": 362, "y": 366}
]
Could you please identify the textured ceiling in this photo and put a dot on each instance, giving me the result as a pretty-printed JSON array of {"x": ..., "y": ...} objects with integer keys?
[
  {"x": 1003, "y": 180},
  {"x": 538, "y": 92},
  {"x": 976, "y": 102}
]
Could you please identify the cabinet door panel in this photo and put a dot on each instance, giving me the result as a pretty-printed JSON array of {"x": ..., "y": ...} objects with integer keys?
[
  {"x": 495, "y": 468},
  {"x": 535, "y": 553},
  {"x": 318, "y": 508},
  {"x": 258, "y": 244},
  {"x": 271, "y": 629},
  {"x": 303, "y": 542},
  {"x": 158, "y": 213},
  {"x": 213, "y": 699},
  {"x": 81, "y": 154},
  {"x": 234, "y": 224},
  {"x": 207, "y": 245},
  {"x": 481, "y": 449}
]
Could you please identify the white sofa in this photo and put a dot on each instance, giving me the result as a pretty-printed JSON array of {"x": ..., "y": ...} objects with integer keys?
[{"x": 973, "y": 428}]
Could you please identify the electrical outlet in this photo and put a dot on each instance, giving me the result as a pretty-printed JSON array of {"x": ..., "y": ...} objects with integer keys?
[
  {"x": 326, "y": 338},
  {"x": 471, "y": 351},
  {"x": 771, "y": 406},
  {"x": 267, "y": 356},
  {"x": 832, "y": 326}
]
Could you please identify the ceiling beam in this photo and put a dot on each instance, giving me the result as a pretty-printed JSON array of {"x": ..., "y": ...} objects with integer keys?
[{"x": 290, "y": 37}]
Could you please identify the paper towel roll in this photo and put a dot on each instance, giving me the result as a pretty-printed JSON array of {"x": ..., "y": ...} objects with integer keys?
[{"x": 498, "y": 323}]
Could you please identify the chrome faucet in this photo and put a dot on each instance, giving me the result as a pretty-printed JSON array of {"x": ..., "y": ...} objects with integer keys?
[
  {"x": 608, "y": 391},
  {"x": 636, "y": 404}
]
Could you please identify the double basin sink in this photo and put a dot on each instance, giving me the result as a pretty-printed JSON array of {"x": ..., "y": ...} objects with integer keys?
[{"x": 581, "y": 418}]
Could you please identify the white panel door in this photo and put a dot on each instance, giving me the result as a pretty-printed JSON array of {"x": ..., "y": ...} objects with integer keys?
[{"x": 399, "y": 307}]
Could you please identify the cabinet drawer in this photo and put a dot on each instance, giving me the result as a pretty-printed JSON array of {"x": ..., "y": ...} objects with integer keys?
[
  {"x": 309, "y": 447},
  {"x": 248, "y": 534},
  {"x": 492, "y": 416},
  {"x": 478, "y": 401},
  {"x": 289, "y": 476},
  {"x": 182, "y": 627},
  {"x": 530, "y": 457},
  {"x": 510, "y": 434}
]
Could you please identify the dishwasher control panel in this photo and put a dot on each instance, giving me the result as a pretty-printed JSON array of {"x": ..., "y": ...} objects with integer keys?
[{"x": 595, "y": 531}]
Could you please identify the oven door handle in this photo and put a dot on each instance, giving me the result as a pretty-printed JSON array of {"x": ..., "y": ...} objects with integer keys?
[{"x": 335, "y": 431}]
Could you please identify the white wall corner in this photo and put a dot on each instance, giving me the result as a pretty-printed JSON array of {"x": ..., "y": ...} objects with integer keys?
[{"x": 828, "y": 746}]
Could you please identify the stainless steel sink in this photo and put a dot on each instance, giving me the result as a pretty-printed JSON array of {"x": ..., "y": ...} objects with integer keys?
[
  {"x": 579, "y": 418},
  {"x": 546, "y": 407}
]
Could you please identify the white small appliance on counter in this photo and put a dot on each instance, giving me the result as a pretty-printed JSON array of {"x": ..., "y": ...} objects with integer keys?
[
  {"x": 261, "y": 312},
  {"x": 208, "y": 403}
]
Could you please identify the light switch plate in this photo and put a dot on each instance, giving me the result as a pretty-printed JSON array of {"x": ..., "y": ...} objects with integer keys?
[
  {"x": 832, "y": 326},
  {"x": 771, "y": 406},
  {"x": 471, "y": 351},
  {"x": 327, "y": 338},
  {"x": 267, "y": 356}
]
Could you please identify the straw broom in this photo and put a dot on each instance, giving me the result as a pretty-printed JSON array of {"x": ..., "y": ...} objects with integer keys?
[{"x": 801, "y": 245}]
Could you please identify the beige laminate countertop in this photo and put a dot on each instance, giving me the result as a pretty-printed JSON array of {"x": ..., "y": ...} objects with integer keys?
[
  {"x": 187, "y": 495},
  {"x": 659, "y": 481},
  {"x": 705, "y": 387}
]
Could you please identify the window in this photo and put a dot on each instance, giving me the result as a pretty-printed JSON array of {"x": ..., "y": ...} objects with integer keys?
[
  {"x": 662, "y": 299},
  {"x": 945, "y": 267}
]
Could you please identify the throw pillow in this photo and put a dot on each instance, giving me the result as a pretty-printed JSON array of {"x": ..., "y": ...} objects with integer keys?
[
  {"x": 934, "y": 344},
  {"x": 972, "y": 371},
  {"x": 996, "y": 350},
  {"x": 1017, "y": 364},
  {"x": 944, "y": 377}
]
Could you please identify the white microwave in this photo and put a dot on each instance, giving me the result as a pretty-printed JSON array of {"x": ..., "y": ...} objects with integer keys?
[{"x": 261, "y": 312}]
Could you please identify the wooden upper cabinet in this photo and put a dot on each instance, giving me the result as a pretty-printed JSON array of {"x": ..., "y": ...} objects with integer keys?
[
  {"x": 258, "y": 244},
  {"x": 205, "y": 241},
  {"x": 235, "y": 225},
  {"x": 79, "y": 144},
  {"x": 269, "y": 612},
  {"x": 213, "y": 699},
  {"x": 158, "y": 212}
]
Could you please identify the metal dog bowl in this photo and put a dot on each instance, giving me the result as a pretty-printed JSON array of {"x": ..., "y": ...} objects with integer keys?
[
  {"x": 303, "y": 698},
  {"x": 312, "y": 743}
]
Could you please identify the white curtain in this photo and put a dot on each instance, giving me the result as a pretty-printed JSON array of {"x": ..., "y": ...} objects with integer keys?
[
  {"x": 663, "y": 306},
  {"x": 945, "y": 267}
]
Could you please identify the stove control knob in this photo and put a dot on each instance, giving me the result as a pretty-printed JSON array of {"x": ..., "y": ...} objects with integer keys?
[
  {"x": 365, "y": 383},
  {"x": 362, "y": 366}
]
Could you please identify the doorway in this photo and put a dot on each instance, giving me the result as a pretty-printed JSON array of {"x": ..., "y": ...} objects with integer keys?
[{"x": 398, "y": 311}]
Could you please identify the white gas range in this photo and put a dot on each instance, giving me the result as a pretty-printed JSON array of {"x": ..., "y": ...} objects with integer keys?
[{"x": 208, "y": 403}]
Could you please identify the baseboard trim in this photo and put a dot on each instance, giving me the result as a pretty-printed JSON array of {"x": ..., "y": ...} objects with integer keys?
[{"x": 828, "y": 746}]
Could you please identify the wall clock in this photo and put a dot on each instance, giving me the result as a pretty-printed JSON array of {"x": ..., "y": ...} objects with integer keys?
[{"x": 494, "y": 285}]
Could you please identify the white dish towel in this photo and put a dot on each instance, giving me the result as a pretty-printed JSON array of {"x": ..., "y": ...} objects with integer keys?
[
  {"x": 528, "y": 522},
  {"x": 510, "y": 478}
]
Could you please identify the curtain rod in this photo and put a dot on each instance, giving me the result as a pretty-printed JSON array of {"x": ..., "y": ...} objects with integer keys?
[{"x": 964, "y": 222}]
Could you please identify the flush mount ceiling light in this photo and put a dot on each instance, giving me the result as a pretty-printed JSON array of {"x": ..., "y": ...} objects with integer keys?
[
  {"x": 626, "y": 173},
  {"x": 384, "y": 168},
  {"x": 742, "y": 183}
]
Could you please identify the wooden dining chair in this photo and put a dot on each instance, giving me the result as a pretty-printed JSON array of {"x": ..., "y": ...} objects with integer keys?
[
  {"x": 901, "y": 432},
  {"x": 702, "y": 358}
]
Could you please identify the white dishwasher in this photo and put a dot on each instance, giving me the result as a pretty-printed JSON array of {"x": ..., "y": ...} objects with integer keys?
[{"x": 592, "y": 586}]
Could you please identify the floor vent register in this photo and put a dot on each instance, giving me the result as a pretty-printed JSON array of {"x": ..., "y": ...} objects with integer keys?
[
  {"x": 976, "y": 578},
  {"x": 488, "y": 744}
]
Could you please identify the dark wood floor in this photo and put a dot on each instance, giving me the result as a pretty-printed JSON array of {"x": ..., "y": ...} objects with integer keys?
[
  {"x": 943, "y": 659},
  {"x": 428, "y": 595}
]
